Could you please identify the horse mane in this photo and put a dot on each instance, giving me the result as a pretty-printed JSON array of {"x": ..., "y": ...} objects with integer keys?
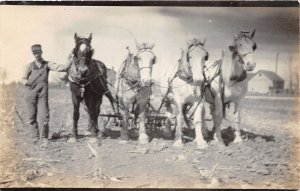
[
  {"x": 130, "y": 69},
  {"x": 144, "y": 45},
  {"x": 227, "y": 66},
  {"x": 231, "y": 68},
  {"x": 183, "y": 69}
]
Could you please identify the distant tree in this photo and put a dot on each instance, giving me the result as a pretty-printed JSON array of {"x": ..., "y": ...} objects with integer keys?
[
  {"x": 291, "y": 76},
  {"x": 3, "y": 75},
  {"x": 297, "y": 82}
]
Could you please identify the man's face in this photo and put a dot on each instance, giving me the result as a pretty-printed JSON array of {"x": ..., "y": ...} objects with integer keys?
[{"x": 38, "y": 56}]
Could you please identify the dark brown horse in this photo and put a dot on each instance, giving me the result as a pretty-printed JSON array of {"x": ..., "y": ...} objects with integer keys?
[{"x": 88, "y": 84}]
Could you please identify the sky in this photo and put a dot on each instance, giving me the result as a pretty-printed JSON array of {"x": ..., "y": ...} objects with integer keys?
[{"x": 115, "y": 28}]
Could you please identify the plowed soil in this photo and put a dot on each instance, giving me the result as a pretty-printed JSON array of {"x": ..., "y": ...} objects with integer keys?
[{"x": 268, "y": 157}]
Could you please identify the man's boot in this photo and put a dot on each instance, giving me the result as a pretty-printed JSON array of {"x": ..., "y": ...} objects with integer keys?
[
  {"x": 45, "y": 133},
  {"x": 34, "y": 132}
]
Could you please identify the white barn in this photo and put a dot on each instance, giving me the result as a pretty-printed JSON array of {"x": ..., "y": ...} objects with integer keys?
[{"x": 265, "y": 82}]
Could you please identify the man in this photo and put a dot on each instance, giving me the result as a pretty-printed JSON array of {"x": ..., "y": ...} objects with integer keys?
[{"x": 35, "y": 80}]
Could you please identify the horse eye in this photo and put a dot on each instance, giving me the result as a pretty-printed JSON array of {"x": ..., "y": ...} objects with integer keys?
[
  {"x": 206, "y": 56},
  {"x": 254, "y": 47}
]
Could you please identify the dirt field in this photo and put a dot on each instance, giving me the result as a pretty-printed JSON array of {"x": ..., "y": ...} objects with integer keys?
[{"x": 268, "y": 157}]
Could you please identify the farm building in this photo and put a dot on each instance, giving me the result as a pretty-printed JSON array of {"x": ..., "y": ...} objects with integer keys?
[{"x": 264, "y": 82}]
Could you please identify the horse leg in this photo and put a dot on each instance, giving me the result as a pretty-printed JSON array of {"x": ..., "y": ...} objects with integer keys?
[
  {"x": 217, "y": 116},
  {"x": 199, "y": 121},
  {"x": 237, "y": 122},
  {"x": 143, "y": 137},
  {"x": 88, "y": 132},
  {"x": 94, "y": 110},
  {"x": 76, "y": 115},
  {"x": 179, "y": 120},
  {"x": 170, "y": 113},
  {"x": 124, "y": 130}
]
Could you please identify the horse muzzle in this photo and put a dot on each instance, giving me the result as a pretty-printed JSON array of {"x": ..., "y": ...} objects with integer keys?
[
  {"x": 250, "y": 66},
  {"x": 198, "y": 81},
  {"x": 146, "y": 82}
]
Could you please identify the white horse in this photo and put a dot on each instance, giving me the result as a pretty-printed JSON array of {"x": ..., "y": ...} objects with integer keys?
[
  {"x": 230, "y": 84},
  {"x": 134, "y": 89},
  {"x": 186, "y": 88}
]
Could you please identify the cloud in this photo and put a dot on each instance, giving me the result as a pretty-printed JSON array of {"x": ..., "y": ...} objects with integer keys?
[{"x": 115, "y": 28}]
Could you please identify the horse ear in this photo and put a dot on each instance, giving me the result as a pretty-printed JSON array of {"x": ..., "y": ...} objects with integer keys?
[
  {"x": 189, "y": 43},
  {"x": 152, "y": 46},
  {"x": 235, "y": 36},
  {"x": 253, "y": 33},
  {"x": 90, "y": 37},
  {"x": 75, "y": 37},
  {"x": 92, "y": 52},
  {"x": 204, "y": 41},
  {"x": 232, "y": 48},
  {"x": 138, "y": 46}
]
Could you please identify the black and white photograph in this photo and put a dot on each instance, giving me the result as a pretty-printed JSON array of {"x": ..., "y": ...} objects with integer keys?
[{"x": 149, "y": 96}]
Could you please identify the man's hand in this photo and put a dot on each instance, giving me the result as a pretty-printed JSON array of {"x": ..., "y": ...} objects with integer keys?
[{"x": 24, "y": 81}]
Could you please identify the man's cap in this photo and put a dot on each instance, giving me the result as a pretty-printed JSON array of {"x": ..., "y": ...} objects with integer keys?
[{"x": 36, "y": 48}]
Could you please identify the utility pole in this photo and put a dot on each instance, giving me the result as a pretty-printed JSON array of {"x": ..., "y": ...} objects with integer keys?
[
  {"x": 290, "y": 75},
  {"x": 277, "y": 55},
  {"x": 276, "y": 64},
  {"x": 3, "y": 75}
]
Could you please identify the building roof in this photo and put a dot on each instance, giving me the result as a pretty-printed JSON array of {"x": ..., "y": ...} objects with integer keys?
[
  {"x": 271, "y": 75},
  {"x": 250, "y": 75}
]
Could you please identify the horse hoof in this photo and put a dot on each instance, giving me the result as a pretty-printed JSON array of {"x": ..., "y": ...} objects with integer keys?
[
  {"x": 93, "y": 140},
  {"x": 167, "y": 133},
  {"x": 178, "y": 144},
  {"x": 87, "y": 133},
  {"x": 72, "y": 140},
  {"x": 201, "y": 144},
  {"x": 123, "y": 142},
  {"x": 143, "y": 139},
  {"x": 238, "y": 139}
]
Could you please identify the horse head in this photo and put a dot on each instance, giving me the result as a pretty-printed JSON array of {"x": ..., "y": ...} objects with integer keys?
[
  {"x": 244, "y": 47},
  {"x": 193, "y": 60},
  {"x": 83, "y": 53},
  {"x": 145, "y": 59}
]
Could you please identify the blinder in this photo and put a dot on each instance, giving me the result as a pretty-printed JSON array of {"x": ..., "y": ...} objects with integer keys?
[
  {"x": 206, "y": 56},
  {"x": 135, "y": 60},
  {"x": 154, "y": 60},
  {"x": 254, "y": 47},
  {"x": 188, "y": 57}
]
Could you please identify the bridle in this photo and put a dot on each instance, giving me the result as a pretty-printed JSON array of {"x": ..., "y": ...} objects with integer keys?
[
  {"x": 152, "y": 63},
  {"x": 76, "y": 64},
  {"x": 242, "y": 56},
  {"x": 189, "y": 78},
  {"x": 138, "y": 84}
]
